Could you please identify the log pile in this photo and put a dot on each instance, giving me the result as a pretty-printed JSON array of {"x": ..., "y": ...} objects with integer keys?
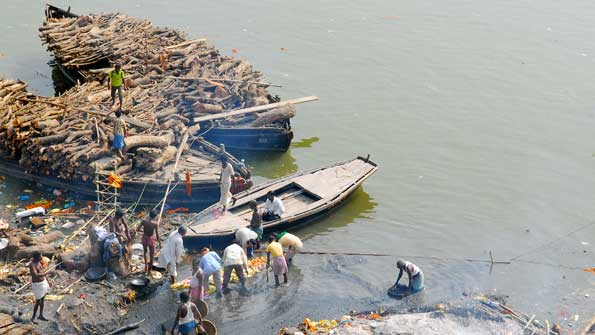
[
  {"x": 70, "y": 136},
  {"x": 193, "y": 77}
]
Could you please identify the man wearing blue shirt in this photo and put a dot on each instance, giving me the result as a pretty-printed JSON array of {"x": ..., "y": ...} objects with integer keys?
[{"x": 210, "y": 263}]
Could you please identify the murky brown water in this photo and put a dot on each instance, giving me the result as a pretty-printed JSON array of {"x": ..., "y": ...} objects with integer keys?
[{"x": 480, "y": 114}]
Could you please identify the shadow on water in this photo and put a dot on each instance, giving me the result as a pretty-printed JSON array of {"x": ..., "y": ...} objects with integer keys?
[
  {"x": 360, "y": 205},
  {"x": 61, "y": 83},
  {"x": 305, "y": 142},
  {"x": 269, "y": 164}
]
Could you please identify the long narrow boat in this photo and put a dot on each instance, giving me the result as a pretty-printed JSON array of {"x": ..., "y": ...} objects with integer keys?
[
  {"x": 306, "y": 196},
  {"x": 273, "y": 137},
  {"x": 203, "y": 166}
]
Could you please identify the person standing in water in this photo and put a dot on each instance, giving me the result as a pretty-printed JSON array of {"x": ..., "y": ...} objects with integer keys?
[
  {"x": 210, "y": 263},
  {"x": 293, "y": 244},
  {"x": 196, "y": 290},
  {"x": 275, "y": 252},
  {"x": 150, "y": 229}
]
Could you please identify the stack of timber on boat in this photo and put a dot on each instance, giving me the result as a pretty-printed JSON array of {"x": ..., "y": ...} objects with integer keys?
[
  {"x": 306, "y": 196},
  {"x": 63, "y": 141},
  {"x": 193, "y": 77}
]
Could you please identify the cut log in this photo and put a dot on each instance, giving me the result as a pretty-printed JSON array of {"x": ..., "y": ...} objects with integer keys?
[
  {"x": 206, "y": 108},
  {"x": 47, "y": 250},
  {"x": 46, "y": 124},
  {"x": 274, "y": 115},
  {"x": 162, "y": 141}
]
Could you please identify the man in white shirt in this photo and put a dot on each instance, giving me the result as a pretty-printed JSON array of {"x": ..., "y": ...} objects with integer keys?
[
  {"x": 172, "y": 252},
  {"x": 226, "y": 180},
  {"x": 234, "y": 259},
  {"x": 273, "y": 208},
  {"x": 248, "y": 240}
]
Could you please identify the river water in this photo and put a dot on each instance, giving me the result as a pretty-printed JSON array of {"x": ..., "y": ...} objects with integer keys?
[{"x": 479, "y": 113}]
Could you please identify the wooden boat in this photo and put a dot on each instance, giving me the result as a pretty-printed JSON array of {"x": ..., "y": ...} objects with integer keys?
[
  {"x": 306, "y": 196},
  {"x": 149, "y": 188},
  {"x": 272, "y": 137}
]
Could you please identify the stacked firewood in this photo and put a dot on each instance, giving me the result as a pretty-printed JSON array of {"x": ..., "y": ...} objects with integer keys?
[
  {"x": 70, "y": 136},
  {"x": 192, "y": 76}
]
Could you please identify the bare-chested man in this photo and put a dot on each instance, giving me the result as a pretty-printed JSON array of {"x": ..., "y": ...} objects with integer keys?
[
  {"x": 39, "y": 285},
  {"x": 118, "y": 226},
  {"x": 150, "y": 229}
]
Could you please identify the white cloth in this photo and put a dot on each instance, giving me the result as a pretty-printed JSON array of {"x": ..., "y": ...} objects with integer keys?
[
  {"x": 101, "y": 233},
  {"x": 275, "y": 206},
  {"x": 234, "y": 255},
  {"x": 189, "y": 314},
  {"x": 226, "y": 176},
  {"x": 194, "y": 281},
  {"x": 172, "y": 252},
  {"x": 244, "y": 235},
  {"x": 40, "y": 289},
  {"x": 414, "y": 269}
]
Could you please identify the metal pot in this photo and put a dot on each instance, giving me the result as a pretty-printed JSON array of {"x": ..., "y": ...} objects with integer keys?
[
  {"x": 139, "y": 282},
  {"x": 156, "y": 267},
  {"x": 95, "y": 273}
]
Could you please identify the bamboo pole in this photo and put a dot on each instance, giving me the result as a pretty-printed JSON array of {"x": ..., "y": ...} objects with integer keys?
[
  {"x": 171, "y": 176},
  {"x": 255, "y": 109}
]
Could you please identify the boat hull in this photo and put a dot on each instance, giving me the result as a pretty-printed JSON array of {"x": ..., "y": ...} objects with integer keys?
[
  {"x": 310, "y": 195},
  {"x": 203, "y": 194},
  {"x": 219, "y": 242},
  {"x": 251, "y": 139}
]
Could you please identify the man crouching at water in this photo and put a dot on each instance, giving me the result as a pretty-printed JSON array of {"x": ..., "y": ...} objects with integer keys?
[
  {"x": 416, "y": 277},
  {"x": 39, "y": 285}
]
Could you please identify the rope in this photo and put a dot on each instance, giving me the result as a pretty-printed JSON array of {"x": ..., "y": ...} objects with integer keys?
[
  {"x": 552, "y": 241},
  {"x": 437, "y": 258}
]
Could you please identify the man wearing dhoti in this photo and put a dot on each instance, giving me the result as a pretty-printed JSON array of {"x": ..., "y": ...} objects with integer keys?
[{"x": 39, "y": 285}]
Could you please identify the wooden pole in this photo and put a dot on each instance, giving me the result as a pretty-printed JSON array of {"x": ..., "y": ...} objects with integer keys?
[
  {"x": 171, "y": 176},
  {"x": 588, "y": 328},
  {"x": 254, "y": 109}
]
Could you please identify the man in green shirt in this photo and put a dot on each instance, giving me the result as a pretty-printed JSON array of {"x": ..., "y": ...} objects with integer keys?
[{"x": 115, "y": 82}]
